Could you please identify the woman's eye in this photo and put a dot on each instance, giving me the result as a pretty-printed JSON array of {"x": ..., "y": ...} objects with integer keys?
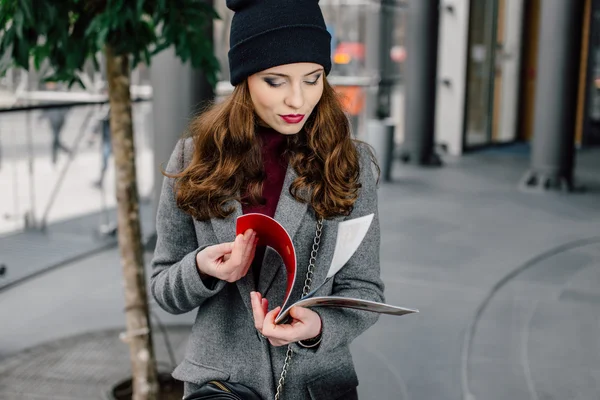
[
  {"x": 273, "y": 82},
  {"x": 313, "y": 82}
]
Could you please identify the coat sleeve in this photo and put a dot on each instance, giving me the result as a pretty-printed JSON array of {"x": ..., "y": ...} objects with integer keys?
[
  {"x": 359, "y": 278},
  {"x": 175, "y": 281}
]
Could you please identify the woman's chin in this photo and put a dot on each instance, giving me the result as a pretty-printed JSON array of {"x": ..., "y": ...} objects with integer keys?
[{"x": 289, "y": 129}]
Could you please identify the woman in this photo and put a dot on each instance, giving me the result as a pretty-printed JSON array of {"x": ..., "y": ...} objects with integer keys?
[{"x": 279, "y": 145}]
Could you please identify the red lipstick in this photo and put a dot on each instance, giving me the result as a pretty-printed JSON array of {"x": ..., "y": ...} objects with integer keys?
[{"x": 292, "y": 118}]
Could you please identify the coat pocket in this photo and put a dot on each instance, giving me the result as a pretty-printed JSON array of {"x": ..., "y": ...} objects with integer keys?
[
  {"x": 198, "y": 373},
  {"x": 339, "y": 383}
]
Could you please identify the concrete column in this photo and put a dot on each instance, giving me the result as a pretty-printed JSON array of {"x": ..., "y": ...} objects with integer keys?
[
  {"x": 552, "y": 156},
  {"x": 179, "y": 92},
  {"x": 372, "y": 49},
  {"x": 420, "y": 82},
  {"x": 379, "y": 128},
  {"x": 386, "y": 28}
]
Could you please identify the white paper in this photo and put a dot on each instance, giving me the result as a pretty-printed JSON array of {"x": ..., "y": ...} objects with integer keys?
[
  {"x": 358, "y": 304},
  {"x": 350, "y": 234}
]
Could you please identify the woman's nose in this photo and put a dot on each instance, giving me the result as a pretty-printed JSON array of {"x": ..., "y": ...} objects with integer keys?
[{"x": 295, "y": 98}]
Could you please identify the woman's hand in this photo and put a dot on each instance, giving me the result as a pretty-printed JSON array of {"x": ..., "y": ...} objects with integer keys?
[
  {"x": 306, "y": 324},
  {"x": 228, "y": 261}
]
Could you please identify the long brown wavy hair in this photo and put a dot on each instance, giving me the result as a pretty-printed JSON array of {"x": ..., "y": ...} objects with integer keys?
[{"x": 227, "y": 160}]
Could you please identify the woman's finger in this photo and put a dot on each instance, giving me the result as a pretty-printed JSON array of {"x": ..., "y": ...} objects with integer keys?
[
  {"x": 236, "y": 252},
  {"x": 239, "y": 249},
  {"x": 265, "y": 306},
  {"x": 306, "y": 324},
  {"x": 283, "y": 332},
  {"x": 271, "y": 315},
  {"x": 306, "y": 321},
  {"x": 219, "y": 250},
  {"x": 251, "y": 257},
  {"x": 300, "y": 314},
  {"x": 250, "y": 241},
  {"x": 257, "y": 310},
  {"x": 278, "y": 342}
]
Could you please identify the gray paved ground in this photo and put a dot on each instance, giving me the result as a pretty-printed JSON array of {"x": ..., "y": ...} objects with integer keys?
[
  {"x": 28, "y": 253},
  {"x": 507, "y": 282}
]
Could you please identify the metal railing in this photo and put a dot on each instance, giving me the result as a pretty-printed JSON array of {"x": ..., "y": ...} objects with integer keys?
[{"x": 52, "y": 159}]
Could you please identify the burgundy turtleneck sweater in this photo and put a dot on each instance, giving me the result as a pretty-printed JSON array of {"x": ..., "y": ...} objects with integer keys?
[{"x": 275, "y": 166}]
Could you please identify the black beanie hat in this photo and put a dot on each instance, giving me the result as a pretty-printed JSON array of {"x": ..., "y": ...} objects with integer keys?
[{"x": 268, "y": 33}]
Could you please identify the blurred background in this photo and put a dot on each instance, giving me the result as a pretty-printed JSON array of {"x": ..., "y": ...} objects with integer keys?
[{"x": 485, "y": 118}]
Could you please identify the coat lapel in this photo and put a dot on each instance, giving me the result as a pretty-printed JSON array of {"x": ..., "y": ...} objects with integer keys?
[
  {"x": 225, "y": 231},
  {"x": 225, "y": 228},
  {"x": 289, "y": 213}
]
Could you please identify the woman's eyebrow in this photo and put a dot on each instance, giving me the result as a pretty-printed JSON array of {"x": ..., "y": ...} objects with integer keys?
[
  {"x": 314, "y": 72},
  {"x": 287, "y": 76}
]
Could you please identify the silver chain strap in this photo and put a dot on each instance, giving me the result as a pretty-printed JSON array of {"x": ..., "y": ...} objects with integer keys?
[{"x": 305, "y": 291}]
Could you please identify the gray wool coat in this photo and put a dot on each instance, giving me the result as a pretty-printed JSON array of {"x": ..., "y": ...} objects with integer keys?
[{"x": 224, "y": 344}]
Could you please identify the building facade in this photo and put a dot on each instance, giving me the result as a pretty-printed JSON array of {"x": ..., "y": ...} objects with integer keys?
[{"x": 488, "y": 69}]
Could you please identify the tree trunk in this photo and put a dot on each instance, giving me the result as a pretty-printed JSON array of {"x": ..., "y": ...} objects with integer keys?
[{"x": 143, "y": 363}]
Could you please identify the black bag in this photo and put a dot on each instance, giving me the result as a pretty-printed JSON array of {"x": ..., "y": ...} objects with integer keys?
[{"x": 219, "y": 390}]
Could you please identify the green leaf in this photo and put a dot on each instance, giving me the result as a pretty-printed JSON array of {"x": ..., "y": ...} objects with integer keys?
[
  {"x": 74, "y": 58},
  {"x": 140, "y": 6},
  {"x": 160, "y": 47},
  {"x": 21, "y": 53},
  {"x": 65, "y": 33},
  {"x": 39, "y": 55},
  {"x": 18, "y": 23},
  {"x": 50, "y": 12},
  {"x": 147, "y": 56},
  {"x": 95, "y": 62},
  {"x": 25, "y": 7},
  {"x": 7, "y": 41},
  {"x": 75, "y": 79},
  {"x": 101, "y": 36}
]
